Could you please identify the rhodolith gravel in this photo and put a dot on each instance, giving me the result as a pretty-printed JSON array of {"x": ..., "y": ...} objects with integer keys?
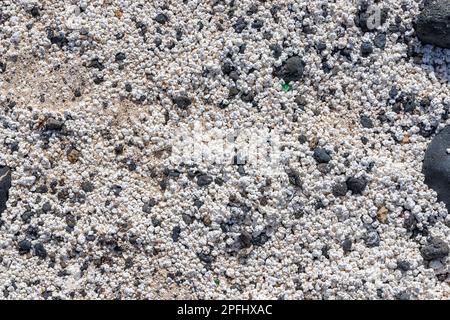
[{"x": 103, "y": 195}]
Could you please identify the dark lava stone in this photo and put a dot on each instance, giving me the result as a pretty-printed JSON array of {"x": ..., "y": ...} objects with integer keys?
[
  {"x": 277, "y": 50},
  {"x": 403, "y": 265},
  {"x": 161, "y": 18},
  {"x": 435, "y": 249},
  {"x": 248, "y": 97},
  {"x": 260, "y": 240},
  {"x": 98, "y": 79},
  {"x": 380, "y": 41},
  {"x": 219, "y": 181},
  {"x": 2, "y": 67},
  {"x": 120, "y": 57},
  {"x": 372, "y": 238},
  {"x": 176, "y": 231},
  {"x": 87, "y": 186},
  {"x": 366, "y": 49},
  {"x": 356, "y": 185},
  {"x": 179, "y": 34},
  {"x": 206, "y": 258},
  {"x": 32, "y": 232},
  {"x": 347, "y": 245},
  {"x": 71, "y": 221},
  {"x": 234, "y": 76},
  {"x": 433, "y": 23},
  {"x": 436, "y": 165},
  {"x": 245, "y": 240},
  {"x": 204, "y": 180},
  {"x": 409, "y": 104},
  {"x": 157, "y": 42},
  {"x": 147, "y": 207},
  {"x": 128, "y": 87},
  {"x": 5, "y": 185},
  {"x": 302, "y": 139},
  {"x": 24, "y": 246},
  {"x": 366, "y": 122},
  {"x": 294, "y": 178},
  {"x": 182, "y": 102},
  {"x": 426, "y": 131},
  {"x": 242, "y": 48},
  {"x": 301, "y": 101},
  {"x": 393, "y": 92},
  {"x": 173, "y": 173},
  {"x": 240, "y": 25},
  {"x": 26, "y": 216},
  {"x": 257, "y": 24},
  {"x": 95, "y": 63},
  {"x": 233, "y": 92},
  {"x": 53, "y": 124},
  {"x": 198, "y": 203},
  {"x": 320, "y": 46},
  {"x": 227, "y": 68},
  {"x": 118, "y": 149},
  {"x": 291, "y": 70},
  {"x": 340, "y": 189},
  {"x": 116, "y": 189},
  {"x": 47, "y": 207},
  {"x": 187, "y": 218},
  {"x": 40, "y": 251},
  {"x": 35, "y": 12},
  {"x": 58, "y": 39},
  {"x": 321, "y": 155},
  {"x": 156, "y": 222}
]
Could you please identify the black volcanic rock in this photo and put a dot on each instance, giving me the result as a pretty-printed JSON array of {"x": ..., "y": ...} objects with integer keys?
[
  {"x": 433, "y": 23},
  {"x": 291, "y": 70},
  {"x": 435, "y": 249},
  {"x": 436, "y": 165},
  {"x": 5, "y": 185}
]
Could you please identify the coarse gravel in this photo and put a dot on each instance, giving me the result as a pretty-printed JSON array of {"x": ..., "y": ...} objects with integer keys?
[{"x": 113, "y": 119}]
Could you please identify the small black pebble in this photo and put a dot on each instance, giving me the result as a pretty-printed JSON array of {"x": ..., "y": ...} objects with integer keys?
[
  {"x": 340, "y": 189},
  {"x": 204, "y": 180},
  {"x": 87, "y": 186},
  {"x": 347, "y": 245},
  {"x": 182, "y": 102},
  {"x": 366, "y": 49},
  {"x": 356, "y": 185},
  {"x": 366, "y": 122},
  {"x": 120, "y": 57},
  {"x": 321, "y": 155},
  {"x": 24, "y": 246},
  {"x": 161, "y": 18},
  {"x": 176, "y": 231},
  {"x": 403, "y": 265},
  {"x": 302, "y": 139},
  {"x": 40, "y": 251},
  {"x": 35, "y": 12},
  {"x": 380, "y": 40},
  {"x": 2, "y": 67}
]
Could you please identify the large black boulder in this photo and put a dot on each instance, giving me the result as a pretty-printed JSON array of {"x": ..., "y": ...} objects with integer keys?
[
  {"x": 433, "y": 23},
  {"x": 436, "y": 165},
  {"x": 5, "y": 185}
]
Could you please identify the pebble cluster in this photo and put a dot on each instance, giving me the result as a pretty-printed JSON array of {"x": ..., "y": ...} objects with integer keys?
[{"x": 93, "y": 205}]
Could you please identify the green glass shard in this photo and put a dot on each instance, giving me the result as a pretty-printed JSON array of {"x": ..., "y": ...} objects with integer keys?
[{"x": 286, "y": 87}]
